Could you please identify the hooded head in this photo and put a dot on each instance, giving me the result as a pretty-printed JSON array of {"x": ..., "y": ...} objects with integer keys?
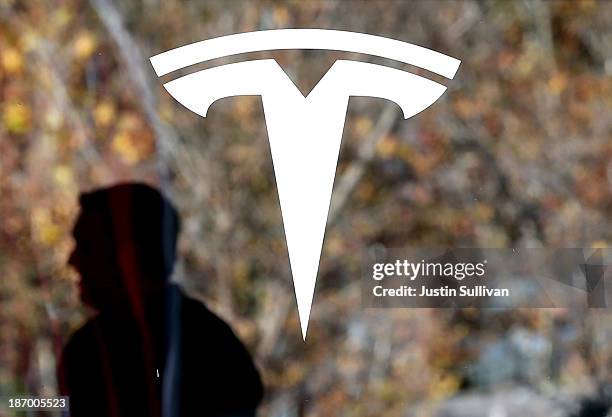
[{"x": 125, "y": 243}]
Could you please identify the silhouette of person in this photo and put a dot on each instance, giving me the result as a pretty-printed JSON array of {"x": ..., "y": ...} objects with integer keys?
[{"x": 150, "y": 350}]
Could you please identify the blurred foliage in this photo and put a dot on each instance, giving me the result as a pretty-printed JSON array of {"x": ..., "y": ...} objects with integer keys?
[{"x": 518, "y": 152}]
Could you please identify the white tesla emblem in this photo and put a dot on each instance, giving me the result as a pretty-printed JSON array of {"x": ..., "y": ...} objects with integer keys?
[{"x": 304, "y": 132}]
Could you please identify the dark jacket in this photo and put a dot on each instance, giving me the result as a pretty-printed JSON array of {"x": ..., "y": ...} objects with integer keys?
[{"x": 177, "y": 355}]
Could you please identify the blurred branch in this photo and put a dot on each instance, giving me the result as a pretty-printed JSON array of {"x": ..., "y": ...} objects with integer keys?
[
  {"x": 271, "y": 321},
  {"x": 469, "y": 17},
  {"x": 349, "y": 179},
  {"x": 166, "y": 139},
  {"x": 542, "y": 19},
  {"x": 62, "y": 100}
]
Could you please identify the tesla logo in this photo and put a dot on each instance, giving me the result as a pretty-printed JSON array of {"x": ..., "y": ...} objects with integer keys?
[{"x": 304, "y": 132}]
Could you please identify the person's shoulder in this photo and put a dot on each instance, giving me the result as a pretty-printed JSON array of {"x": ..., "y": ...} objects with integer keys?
[
  {"x": 195, "y": 308},
  {"x": 212, "y": 348},
  {"x": 197, "y": 316}
]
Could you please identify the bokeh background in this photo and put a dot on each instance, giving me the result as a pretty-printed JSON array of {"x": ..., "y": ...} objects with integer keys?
[{"x": 518, "y": 152}]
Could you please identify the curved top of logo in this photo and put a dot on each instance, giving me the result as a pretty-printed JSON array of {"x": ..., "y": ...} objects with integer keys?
[{"x": 336, "y": 40}]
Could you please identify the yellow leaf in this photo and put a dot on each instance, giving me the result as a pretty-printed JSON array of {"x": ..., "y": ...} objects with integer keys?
[
  {"x": 464, "y": 107},
  {"x": 363, "y": 125},
  {"x": 62, "y": 174},
  {"x": 484, "y": 212},
  {"x": 444, "y": 385},
  {"x": 281, "y": 15},
  {"x": 85, "y": 45},
  {"x": 16, "y": 117},
  {"x": 387, "y": 147},
  {"x": 243, "y": 108},
  {"x": 49, "y": 234},
  {"x": 12, "y": 61},
  {"x": 45, "y": 231},
  {"x": 557, "y": 83},
  {"x": 241, "y": 270},
  {"x": 61, "y": 17},
  {"x": 104, "y": 113},
  {"x": 124, "y": 146},
  {"x": 365, "y": 191},
  {"x": 29, "y": 40},
  {"x": 334, "y": 245}
]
